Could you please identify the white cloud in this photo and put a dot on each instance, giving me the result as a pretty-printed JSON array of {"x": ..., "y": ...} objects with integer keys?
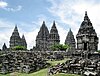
[
  {"x": 62, "y": 33},
  {"x": 72, "y": 13},
  {"x": 4, "y": 5},
  {"x": 5, "y": 31},
  {"x": 40, "y": 20},
  {"x": 18, "y": 8},
  {"x": 31, "y": 37},
  {"x": 7, "y": 27}
]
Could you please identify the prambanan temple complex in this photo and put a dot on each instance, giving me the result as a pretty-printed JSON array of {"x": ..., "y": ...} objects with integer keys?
[
  {"x": 84, "y": 58},
  {"x": 86, "y": 37}
]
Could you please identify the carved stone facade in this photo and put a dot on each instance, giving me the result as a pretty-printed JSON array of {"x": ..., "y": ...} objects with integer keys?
[
  {"x": 24, "y": 43},
  {"x": 70, "y": 40},
  {"x": 16, "y": 40},
  {"x": 54, "y": 37},
  {"x": 42, "y": 38},
  {"x": 87, "y": 38}
]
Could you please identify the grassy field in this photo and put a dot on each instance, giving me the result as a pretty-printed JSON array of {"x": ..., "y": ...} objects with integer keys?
[{"x": 42, "y": 72}]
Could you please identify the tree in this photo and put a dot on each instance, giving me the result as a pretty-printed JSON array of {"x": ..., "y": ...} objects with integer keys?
[
  {"x": 98, "y": 51},
  {"x": 54, "y": 47},
  {"x": 59, "y": 47},
  {"x": 19, "y": 48},
  {"x": 63, "y": 47}
]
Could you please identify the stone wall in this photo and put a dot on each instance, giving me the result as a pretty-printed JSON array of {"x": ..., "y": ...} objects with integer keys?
[
  {"x": 27, "y": 61},
  {"x": 21, "y": 62}
]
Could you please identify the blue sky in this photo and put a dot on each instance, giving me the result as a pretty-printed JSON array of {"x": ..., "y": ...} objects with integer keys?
[
  {"x": 29, "y": 14},
  {"x": 29, "y": 11}
]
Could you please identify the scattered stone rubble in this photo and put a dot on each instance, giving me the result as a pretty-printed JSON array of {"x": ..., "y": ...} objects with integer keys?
[
  {"x": 26, "y": 61},
  {"x": 83, "y": 67},
  {"x": 22, "y": 62}
]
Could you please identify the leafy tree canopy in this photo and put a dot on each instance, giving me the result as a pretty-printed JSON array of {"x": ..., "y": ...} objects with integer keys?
[
  {"x": 19, "y": 48},
  {"x": 56, "y": 47},
  {"x": 98, "y": 51}
]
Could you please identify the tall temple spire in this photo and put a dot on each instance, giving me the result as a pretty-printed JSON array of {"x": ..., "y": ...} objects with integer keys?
[
  {"x": 24, "y": 41},
  {"x": 43, "y": 31},
  {"x": 42, "y": 37},
  {"x": 86, "y": 24},
  {"x": 85, "y": 13},
  {"x": 43, "y": 25},
  {"x": 23, "y": 37},
  {"x": 44, "y": 22},
  {"x": 53, "y": 36},
  {"x": 15, "y": 29},
  {"x": 15, "y": 32},
  {"x": 87, "y": 36},
  {"x": 54, "y": 25},
  {"x": 86, "y": 18},
  {"x": 54, "y": 29},
  {"x": 4, "y": 47},
  {"x": 16, "y": 40},
  {"x": 70, "y": 40}
]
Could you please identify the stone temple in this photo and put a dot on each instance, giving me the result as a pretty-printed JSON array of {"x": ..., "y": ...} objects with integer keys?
[
  {"x": 70, "y": 40},
  {"x": 54, "y": 37},
  {"x": 44, "y": 39},
  {"x": 86, "y": 37},
  {"x": 16, "y": 40},
  {"x": 4, "y": 47},
  {"x": 84, "y": 60}
]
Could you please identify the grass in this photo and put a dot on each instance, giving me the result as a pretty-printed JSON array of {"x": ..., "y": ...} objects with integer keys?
[
  {"x": 42, "y": 72},
  {"x": 61, "y": 74},
  {"x": 56, "y": 62}
]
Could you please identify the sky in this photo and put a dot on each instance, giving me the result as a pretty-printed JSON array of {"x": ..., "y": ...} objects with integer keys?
[{"x": 28, "y": 15}]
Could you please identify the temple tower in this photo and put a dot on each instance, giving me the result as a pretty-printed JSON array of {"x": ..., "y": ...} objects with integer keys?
[
  {"x": 70, "y": 40},
  {"x": 42, "y": 38},
  {"x": 4, "y": 47},
  {"x": 24, "y": 41},
  {"x": 87, "y": 39},
  {"x": 54, "y": 37},
  {"x": 15, "y": 39}
]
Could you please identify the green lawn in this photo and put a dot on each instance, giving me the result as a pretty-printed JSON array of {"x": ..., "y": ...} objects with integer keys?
[{"x": 42, "y": 72}]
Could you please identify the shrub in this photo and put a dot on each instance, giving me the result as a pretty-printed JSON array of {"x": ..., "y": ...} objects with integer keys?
[
  {"x": 59, "y": 47},
  {"x": 19, "y": 48}
]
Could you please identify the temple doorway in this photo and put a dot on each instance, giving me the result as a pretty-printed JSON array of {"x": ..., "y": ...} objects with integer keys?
[{"x": 85, "y": 46}]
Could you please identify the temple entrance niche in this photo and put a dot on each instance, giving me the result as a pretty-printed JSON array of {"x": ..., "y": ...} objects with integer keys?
[{"x": 85, "y": 46}]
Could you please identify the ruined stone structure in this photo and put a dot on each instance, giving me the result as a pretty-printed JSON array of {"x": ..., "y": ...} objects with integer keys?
[
  {"x": 42, "y": 38},
  {"x": 70, "y": 40},
  {"x": 16, "y": 40},
  {"x": 86, "y": 37},
  {"x": 4, "y": 47},
  {"x": 22, "y": 61},
  {"x": 81, "y": 63},
  {"x": 54, "y": 37},
  {"x": 80, "y": 66},
  {"x": 24, "y": 41}
]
